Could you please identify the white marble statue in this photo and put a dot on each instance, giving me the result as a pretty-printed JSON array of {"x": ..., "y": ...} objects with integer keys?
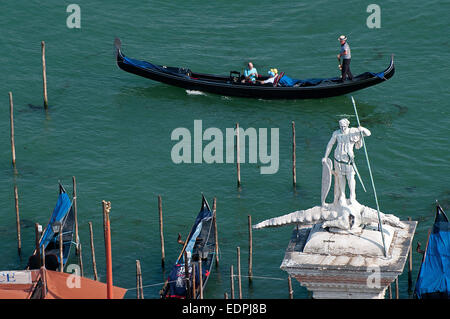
[
  {"x": 342, "y": 214},
  {"x": 346, "y": 139}
]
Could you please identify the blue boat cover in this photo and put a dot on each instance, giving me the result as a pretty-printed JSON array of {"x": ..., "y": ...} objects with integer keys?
[
  {"x": 150, "y": 66},
  {"x": 59, "y": 213},
  {"x": 434, "y": 274},
  {"x": 177, "y": 284}
]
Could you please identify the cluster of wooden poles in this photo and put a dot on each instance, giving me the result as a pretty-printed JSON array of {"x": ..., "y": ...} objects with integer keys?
[
  {"x": 40, "y": 252},
  {"x": 410, "y": 281},
  {"x": 190, "y": 286}
]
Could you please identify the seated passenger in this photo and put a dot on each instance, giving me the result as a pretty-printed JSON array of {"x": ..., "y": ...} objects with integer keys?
[
  {"x": 250, "y": 74},
  {"x": 272, "y": 76}
]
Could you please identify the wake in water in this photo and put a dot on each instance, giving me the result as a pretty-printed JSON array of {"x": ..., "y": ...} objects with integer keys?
[{"x": 194, "y": 92}]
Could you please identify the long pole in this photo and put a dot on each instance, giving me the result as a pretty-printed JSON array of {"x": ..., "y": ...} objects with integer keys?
[
  {"x": 44, "y": 75},
  {"x": 107, "y": 231},
  {"x": 232, "y": 282},
  {"x": 11, "y": 115},
  {"x": 239, "y": 271},
  {"x": 139, "y": 287},
  {"x": 250, "y": 249},
  {"x": 194, "y": 293},
  {"x": 238, "y": 157},
  {"x": 80, "y": 260},
  {"x": 410, "y": 265},
  {"x": 215, "y": 232},
  {"x": 161, "y": 233},
  {"x": 16, "y": 200},
  {"x": 291, "y": 292},
  {"x": 294, "y": 174},
  {"x": 397, "y": 296},
  {"x": 137, "y": 280},
  {"x": 61, "y": 257},
  {"x": 200, "y": 275},
  {"x": 371, "y": 179},
  {"x": 37, "y": 237},
  {"x": 94, "y": 264},
  {"x": 186, "y": 275},
  {"x": 77, "y": 240}
]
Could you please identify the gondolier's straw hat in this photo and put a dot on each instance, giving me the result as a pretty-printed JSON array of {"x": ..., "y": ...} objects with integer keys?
[{"x": 342, "y": 38}]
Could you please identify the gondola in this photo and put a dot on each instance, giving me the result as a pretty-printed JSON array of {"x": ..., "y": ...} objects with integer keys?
[
  {"x": 231, "y": 85},
  {"x": 200, "y": 244},
  {"x": 433, "y": 281},
  {"x": 62, "y": 220}
]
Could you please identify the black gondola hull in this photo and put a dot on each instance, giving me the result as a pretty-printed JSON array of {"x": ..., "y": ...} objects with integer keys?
[{"x": 222, "y": 85}]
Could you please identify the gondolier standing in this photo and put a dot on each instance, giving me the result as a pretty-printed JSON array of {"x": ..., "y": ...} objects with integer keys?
[{"x": 346, "y": 56}]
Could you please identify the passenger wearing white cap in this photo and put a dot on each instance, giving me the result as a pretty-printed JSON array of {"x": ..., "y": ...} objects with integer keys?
[
  {"x": 346, "y": 56},
  {"x": 272, "y": 76}
]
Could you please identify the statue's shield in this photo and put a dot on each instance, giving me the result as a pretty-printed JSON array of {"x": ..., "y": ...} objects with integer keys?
[{"x": 326, "y": 179}]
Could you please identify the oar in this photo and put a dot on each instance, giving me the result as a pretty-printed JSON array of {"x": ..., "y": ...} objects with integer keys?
[{"x": 371, "y": 179}]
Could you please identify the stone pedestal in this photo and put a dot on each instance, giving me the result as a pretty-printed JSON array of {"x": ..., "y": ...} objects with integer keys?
[{"x": 346, "y": 264}]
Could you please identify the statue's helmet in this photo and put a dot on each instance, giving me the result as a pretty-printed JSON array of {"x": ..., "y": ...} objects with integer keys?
[{"x": 344, "y": 122}]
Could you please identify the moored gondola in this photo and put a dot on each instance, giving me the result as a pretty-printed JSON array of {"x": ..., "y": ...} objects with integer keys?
[
  {"x": 62, "y": 222},
  {"x": 200, "y": 244},
  {"x": 433, "y": 281},
  {"x": 232, "y": 86}
]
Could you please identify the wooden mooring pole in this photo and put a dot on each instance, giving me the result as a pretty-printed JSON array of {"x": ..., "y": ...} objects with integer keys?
[
  {"x": 238, "y": 157},
  {"x": 74, "y": 195},
  {"x": 186, "y": 275},
  {"x": 215, "y": 232},
  {"x": 44, "y": 74},
  {"x": 410, "y": 265},
  {"x": 61, "y": 256},
  {"x": 232, "y": 282},
  {"x": 11, "y": 116},
  {"x": 94, "y": 264},
  {"x": 239, "y": 271},
  {"x": 37, "y": 237},
  {"x": 250, "y": 249},
  {"x": 139, "y": 287},
  {"x": 16, "y": 200},
  {"x": 80, "y": 260},
  {"x": 291, "y": 292},
  {"x": 294, "y": 174},
  {"x": 161, "y": 232},
  {"x": 107, "y": 231},
  {"x": 194, "y": 293},
  {"x": 397, "y": 296},
  {"x": 200, "y": 275}
]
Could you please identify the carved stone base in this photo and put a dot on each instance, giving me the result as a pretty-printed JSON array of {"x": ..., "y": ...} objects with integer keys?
[
  {"x": 367, "y": 242},
  {"x": 335, "y": 271}
]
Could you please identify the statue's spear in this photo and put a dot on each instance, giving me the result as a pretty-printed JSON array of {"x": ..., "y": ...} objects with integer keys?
[{"x": 371, "y": 179}]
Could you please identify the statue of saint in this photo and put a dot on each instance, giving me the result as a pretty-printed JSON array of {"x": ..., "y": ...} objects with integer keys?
[{"x": 344, "y": 166}]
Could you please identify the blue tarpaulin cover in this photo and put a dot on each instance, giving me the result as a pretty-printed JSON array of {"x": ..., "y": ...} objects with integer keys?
[
  {"x": 434, "y": 274},
  {"x": 59, "y": 213},
  {"x": 177, "y": 284}
]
